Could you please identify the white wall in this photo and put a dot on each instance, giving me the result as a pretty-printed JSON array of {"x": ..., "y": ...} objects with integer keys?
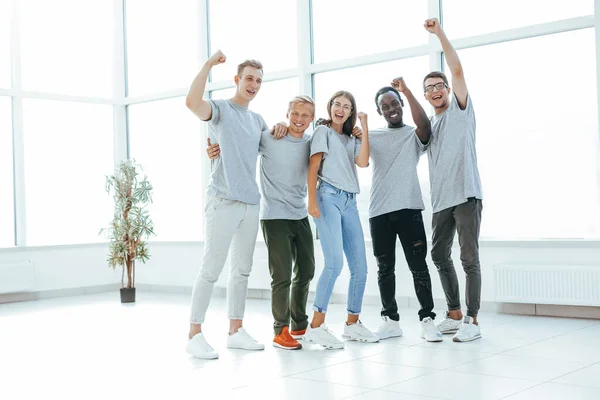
[{"x": 176, "y": 264}]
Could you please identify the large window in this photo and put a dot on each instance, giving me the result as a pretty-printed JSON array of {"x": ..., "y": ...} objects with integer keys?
[
  {"x": 162, "y": 45},
  {"x": 351, "y": 28},
  {"x": 7, "y": 232},
  {"x": 264, "y": 30},
  {"x": 537, "y": 135},
  {"x": 165, "y": 139},
  {"x": 363, "y": 83},
  {"x": 462, "y": 17},
  {"x": 5, "y": 59},
  {"x": 66, "y": 46},
  {"x": 68, "y": 153}
]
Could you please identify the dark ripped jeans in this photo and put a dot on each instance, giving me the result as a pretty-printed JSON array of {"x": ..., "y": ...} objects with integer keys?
[{"x": 408, "y": 226}]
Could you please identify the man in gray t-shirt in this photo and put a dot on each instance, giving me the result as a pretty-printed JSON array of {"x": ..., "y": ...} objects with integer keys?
[
  {"x": 455, "y": 189},
  {"x": 284, "y": 220},
  {"x": 232, "y": 202},
  {"x": 396, "y": 204}
]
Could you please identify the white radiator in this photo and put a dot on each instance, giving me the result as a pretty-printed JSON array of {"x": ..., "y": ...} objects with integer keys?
[
  {"x": 17, "y": 277},
  {"x": 549, "y": 284}
]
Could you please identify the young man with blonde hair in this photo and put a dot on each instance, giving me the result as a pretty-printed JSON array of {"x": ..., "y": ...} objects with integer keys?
[{"x": 284, "y": 221}]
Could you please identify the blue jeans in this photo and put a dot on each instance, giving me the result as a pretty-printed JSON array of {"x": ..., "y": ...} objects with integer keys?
[{"x": 340, "y": 232}]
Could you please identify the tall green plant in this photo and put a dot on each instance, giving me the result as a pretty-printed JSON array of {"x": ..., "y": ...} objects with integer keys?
[{"x": 131, "y": 225}]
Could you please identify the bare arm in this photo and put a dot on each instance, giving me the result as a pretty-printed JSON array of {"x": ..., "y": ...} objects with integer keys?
[
  {"x": 416, "y": 110},
  {"x": 313, "y": 170},
  {"x": 459, "y": 85},
  {"x": 194, "y": 100},
  {"x": 362, "y": 160}
]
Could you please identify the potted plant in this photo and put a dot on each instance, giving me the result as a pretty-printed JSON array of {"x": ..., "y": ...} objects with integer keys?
[{"x": 131, "y": 225}]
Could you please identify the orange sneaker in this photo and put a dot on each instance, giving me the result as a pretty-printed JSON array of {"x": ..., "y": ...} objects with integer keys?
[
  {"x": 285, "y": 341},
  {"x": 298, "y": 334}
]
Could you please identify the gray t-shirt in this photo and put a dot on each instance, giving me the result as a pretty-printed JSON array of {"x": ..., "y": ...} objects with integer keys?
[
  {"x": 283, "y": 173},
  {"x": 452, "y": 155},
  {"x": 339, "y": 151},
  {"x": 395, "y": 154},
  {"x": 237, "y": 130}
]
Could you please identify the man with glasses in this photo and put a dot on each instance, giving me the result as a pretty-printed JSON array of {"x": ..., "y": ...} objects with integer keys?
[{"x": 455, "y": 189}]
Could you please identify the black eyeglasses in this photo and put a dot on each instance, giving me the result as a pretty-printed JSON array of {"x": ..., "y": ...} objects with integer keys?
[{"x": 437, "y": 86}]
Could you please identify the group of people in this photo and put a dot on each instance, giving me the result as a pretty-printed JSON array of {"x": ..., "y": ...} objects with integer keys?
[{"x": 295, "y": 165}]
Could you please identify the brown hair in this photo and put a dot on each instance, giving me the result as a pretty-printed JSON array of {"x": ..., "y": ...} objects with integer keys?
[
  {"x": 436, "y": 74},
  {"x": 302, "y": 100},
  {"x": 351, "y": 121},
  {"x": 249, "y": 63}
]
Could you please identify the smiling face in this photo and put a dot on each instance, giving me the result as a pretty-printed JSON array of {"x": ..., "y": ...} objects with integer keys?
[
  {"x": 389, "y": 105},
  {"x": 436, "y": 92},
  {"x": 300, "y": 115},
  {"x": 248, "y": 83}
]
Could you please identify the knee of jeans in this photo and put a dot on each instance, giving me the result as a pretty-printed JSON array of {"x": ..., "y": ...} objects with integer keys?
[
  {"x": 360, "y": 274},
  {"x": 208, "y": 276},
  {"x": 335, "y": 264},
  {"x": 419, "y": 247},
  {"x": 471, "y": 266},
  {"x": 283, "y": 281}
]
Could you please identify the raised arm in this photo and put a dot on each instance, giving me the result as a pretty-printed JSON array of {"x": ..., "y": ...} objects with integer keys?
[
  {"x": 313, "y": 170},
  {"x": 416, "y": 110},
  {"x": 362, "y": 159},
  {"x": 194, "y": 100},
  {"x": 459, "y": 85}
]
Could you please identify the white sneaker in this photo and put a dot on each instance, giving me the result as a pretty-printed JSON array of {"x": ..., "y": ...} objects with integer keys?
[
  {"x": 242, "y": 340},
  {"x": 323, "y": 336},
  {"x": 198, "y": 347},
  {"x": 389, "y": 329},
  {"x": 449, "y": 325},
  {"x": 359, "y": 333},
  {"x": 429, "y": 331},
  {"x": 468, "y": 331}
]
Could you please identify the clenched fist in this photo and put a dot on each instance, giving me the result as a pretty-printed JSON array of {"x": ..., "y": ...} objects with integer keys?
[
  {"x": 362, "y": 117},
  {"x": 399, "y": 84},
  {"x": 217, "y": 58},
  {"x": 432, "y": 25}
]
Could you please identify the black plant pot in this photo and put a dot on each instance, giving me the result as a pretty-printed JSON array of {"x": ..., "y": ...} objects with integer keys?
[{"x": 127, "y": 295}]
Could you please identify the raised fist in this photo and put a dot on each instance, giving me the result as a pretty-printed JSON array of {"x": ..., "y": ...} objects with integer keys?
[
  {"x": 432, "y": 25},
  {"x": 217, "y": 58}
]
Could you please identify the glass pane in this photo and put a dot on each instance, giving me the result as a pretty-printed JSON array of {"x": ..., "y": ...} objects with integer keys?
[
  {"x": 461, "y": 17},
  {"x": 5, "y": 17},
  {"x": 239, "y": 27},
  {"x": 413, "y": 70},
  {"x": 68, "y": 153},
  {"x": 7, "y": 226},
  {"x": 537, "y": 136},
  {"x": 165, "y": 139},
  {"x": 66, "y": 46},
  {"x": 351, "y": 28},
  {"x": 162, "y": 45}
]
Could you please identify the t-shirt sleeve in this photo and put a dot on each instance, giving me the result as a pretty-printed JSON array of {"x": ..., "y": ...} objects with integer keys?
[
  {"x": 263, "y": 123},
  {"x": 318, "y": 142},
  {"x": 216, "y": 107},
  {"x": 265, "y": 136}
]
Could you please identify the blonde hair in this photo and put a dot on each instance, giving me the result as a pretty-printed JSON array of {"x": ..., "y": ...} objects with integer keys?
[
  {"x": 302, "y": 100},
  {"x": 249, "y": 63}
]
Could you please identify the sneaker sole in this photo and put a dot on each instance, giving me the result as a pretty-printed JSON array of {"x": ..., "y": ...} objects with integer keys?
[
  {"x": 246, "y": 348},
  {"x": 280, "y": 346},
  {"x": 348, "y": 337},
  {"x": 448, "y": 332},
  {"x": 327, "y": 347},
  {"x": 467, "y": 340},
  {"x": 388, "y": 335},
  {"x": 433, "y": 341},
  {"x": 205, "y": 357}
]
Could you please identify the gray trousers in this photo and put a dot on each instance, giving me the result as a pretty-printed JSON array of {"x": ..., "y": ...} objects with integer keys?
[{"x": 465, "y": 219}]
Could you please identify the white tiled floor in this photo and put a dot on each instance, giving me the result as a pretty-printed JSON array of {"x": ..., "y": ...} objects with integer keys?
[{"x": 93, "y": 347}]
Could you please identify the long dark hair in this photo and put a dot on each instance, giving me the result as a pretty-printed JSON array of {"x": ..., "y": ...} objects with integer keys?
[{"x": 350, "y": 122}]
